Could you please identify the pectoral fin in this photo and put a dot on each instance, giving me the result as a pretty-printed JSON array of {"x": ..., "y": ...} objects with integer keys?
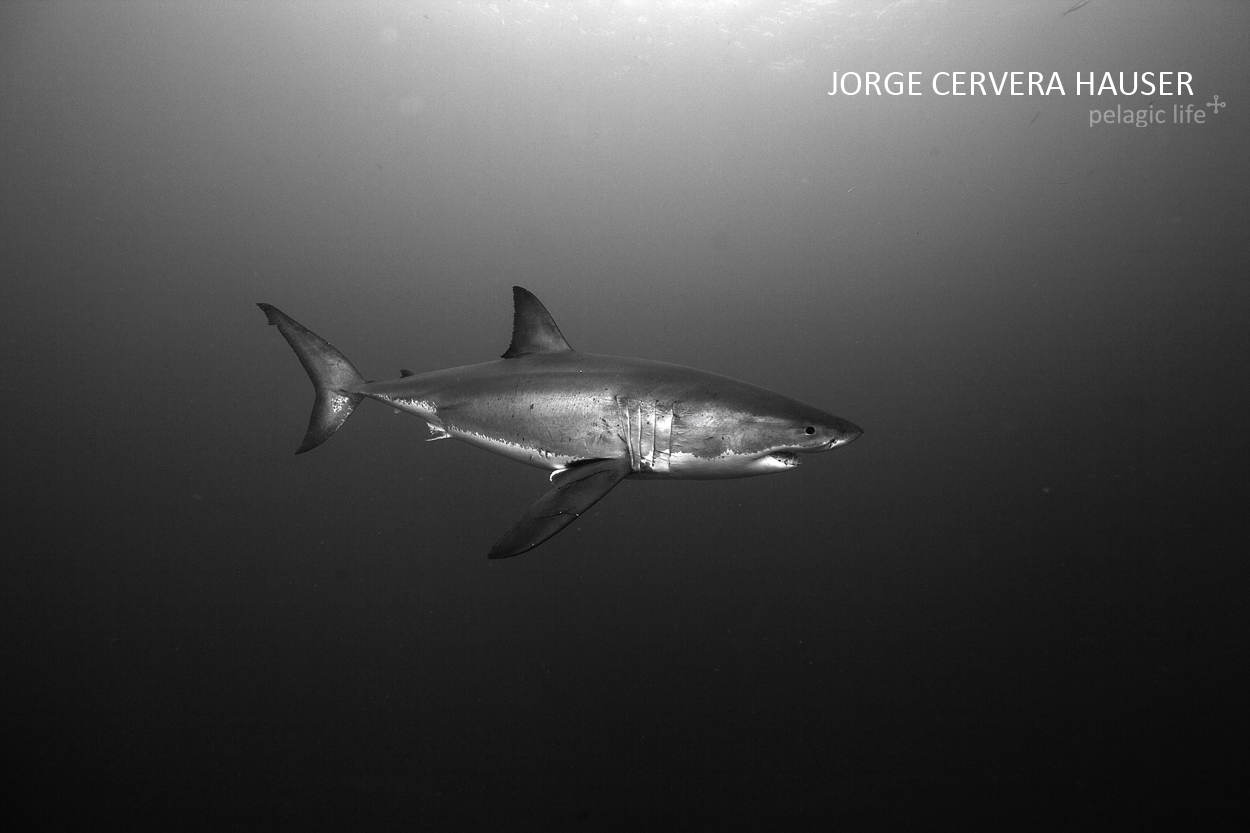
[{"x": 577, "y": 489}]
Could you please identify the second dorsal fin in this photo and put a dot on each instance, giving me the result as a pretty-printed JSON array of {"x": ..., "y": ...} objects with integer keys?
[{"x": 533, "y": 329}]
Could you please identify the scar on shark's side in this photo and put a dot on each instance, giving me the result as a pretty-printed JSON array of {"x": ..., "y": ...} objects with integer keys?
[{"x": 590, "y": 420}]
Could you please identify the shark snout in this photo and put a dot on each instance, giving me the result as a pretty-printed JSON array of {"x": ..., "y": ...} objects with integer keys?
[{"x": 845, "y": 432}]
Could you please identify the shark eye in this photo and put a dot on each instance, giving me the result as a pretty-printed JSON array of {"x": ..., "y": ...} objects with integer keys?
[{"x": 809, "y": 430}]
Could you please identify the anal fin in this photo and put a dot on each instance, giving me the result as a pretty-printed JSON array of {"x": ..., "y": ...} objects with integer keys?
[{"x": 576, "y": 489}]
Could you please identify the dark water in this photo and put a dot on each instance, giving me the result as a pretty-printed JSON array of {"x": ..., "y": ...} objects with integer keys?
[{"x": 1022, "y": 589}]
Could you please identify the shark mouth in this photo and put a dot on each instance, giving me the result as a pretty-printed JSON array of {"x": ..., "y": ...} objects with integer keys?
[{"x": 785, "y": 458}]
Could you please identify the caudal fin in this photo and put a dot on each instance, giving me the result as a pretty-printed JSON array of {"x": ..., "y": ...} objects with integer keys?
[{"x": 337, "y": 383}]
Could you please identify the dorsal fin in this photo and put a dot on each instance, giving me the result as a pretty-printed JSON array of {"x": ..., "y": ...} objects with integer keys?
[
  {"x": 403, "y": 373},
  {"x": 533, "y": 330}
]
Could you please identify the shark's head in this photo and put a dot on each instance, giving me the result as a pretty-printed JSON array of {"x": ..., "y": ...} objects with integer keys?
[
  {"x": 774, "y": 443},
  {"x": 767, "y": 435}
]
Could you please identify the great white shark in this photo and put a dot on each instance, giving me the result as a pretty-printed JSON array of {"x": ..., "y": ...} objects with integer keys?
[{"x": 590, "y": 420}]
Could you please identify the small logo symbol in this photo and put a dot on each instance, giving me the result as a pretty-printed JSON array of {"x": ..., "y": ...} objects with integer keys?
[{"x": 1217, "y": 104}]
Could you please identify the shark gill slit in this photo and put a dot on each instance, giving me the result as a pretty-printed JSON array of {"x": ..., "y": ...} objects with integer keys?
[{"x": 649, "y": 434}]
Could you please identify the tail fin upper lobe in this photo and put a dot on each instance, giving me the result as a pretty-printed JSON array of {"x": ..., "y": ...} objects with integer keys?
[{"x": 337, "y": 383}]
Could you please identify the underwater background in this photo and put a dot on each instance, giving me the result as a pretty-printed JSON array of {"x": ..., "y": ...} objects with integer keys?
[{"x": 1022, "y": 591}]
